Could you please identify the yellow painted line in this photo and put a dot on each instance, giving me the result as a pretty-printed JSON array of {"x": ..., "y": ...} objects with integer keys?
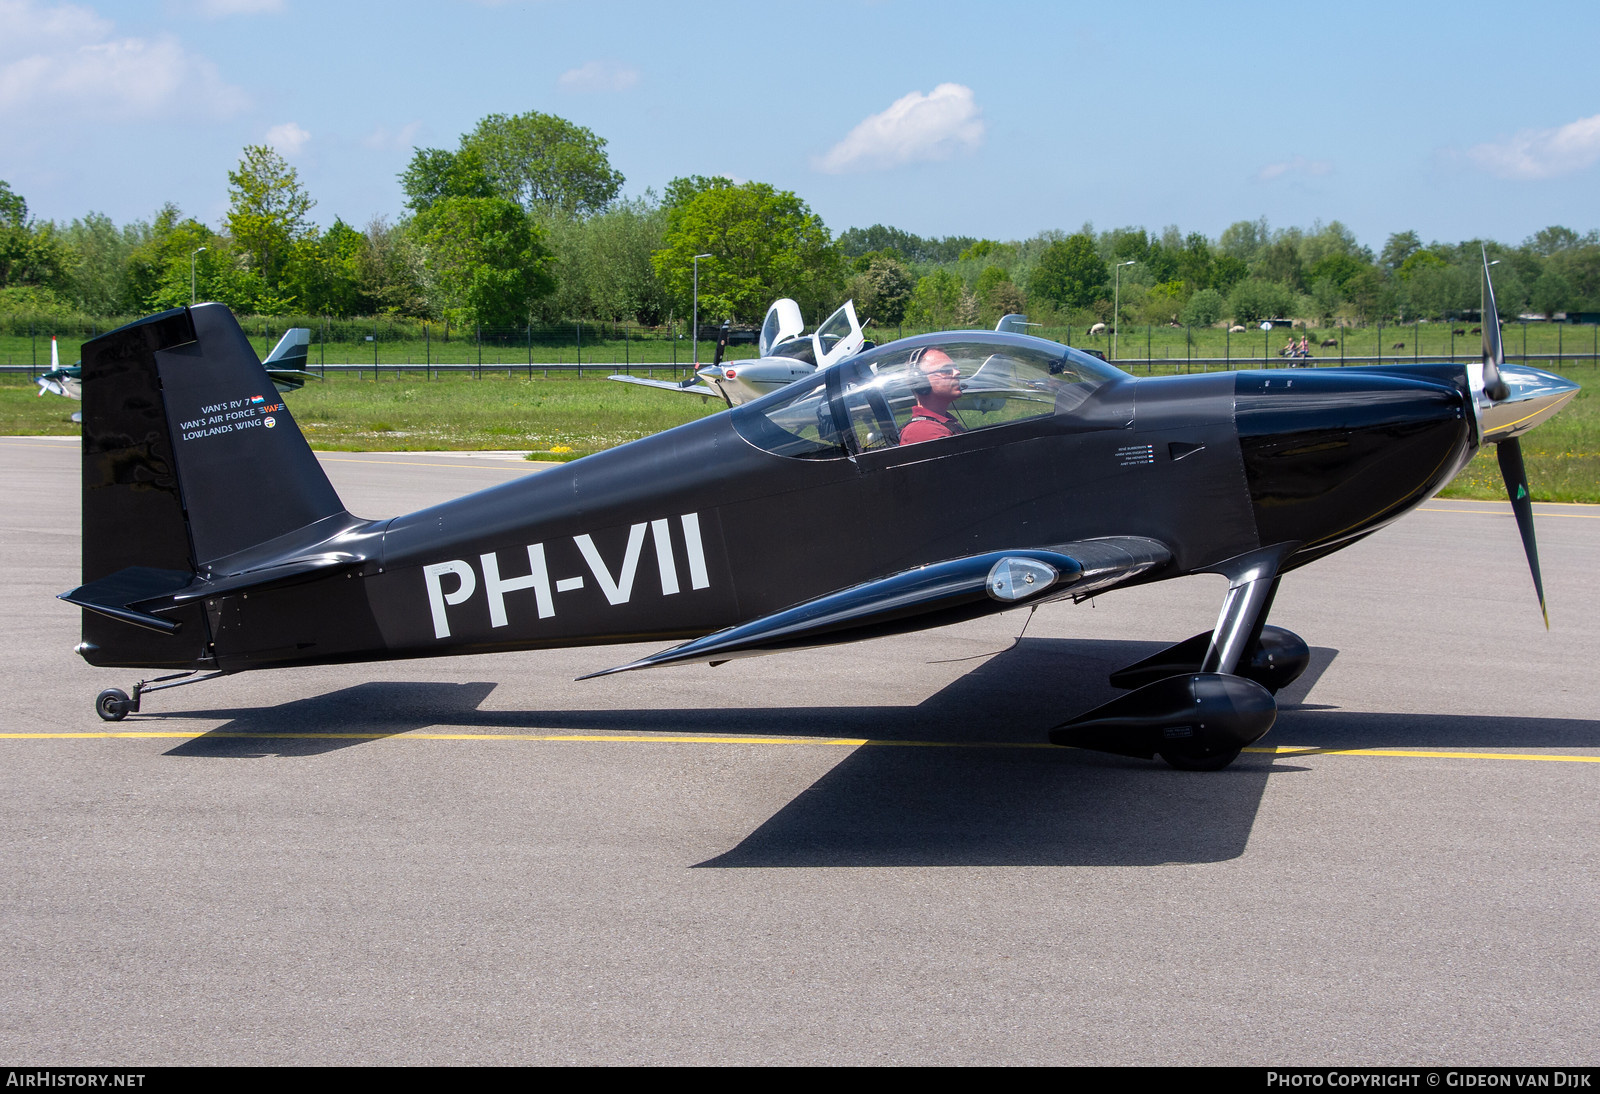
[
  {"x": 1506, "y": 512},
  {"x": 601, "y": 738},
  {"x": 702, "y": 739},
  {"x": 190, "y": 735},
  {"x": 1299, "y": 750}
]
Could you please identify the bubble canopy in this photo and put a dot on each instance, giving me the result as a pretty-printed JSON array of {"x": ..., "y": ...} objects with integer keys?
[{"x": 865, "y": 403}]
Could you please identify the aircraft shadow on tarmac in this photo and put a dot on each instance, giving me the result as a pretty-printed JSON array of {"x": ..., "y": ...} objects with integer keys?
[{"x": 938, "y": 806}]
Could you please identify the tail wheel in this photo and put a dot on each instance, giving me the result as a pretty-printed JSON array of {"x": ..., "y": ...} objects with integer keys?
[{"x": 112, "y": 704}]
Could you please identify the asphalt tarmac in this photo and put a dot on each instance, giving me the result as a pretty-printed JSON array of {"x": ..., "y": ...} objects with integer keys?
[{"x": 854, "y": 855}]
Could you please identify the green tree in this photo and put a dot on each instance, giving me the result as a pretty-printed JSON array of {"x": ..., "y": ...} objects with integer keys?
[
  {"x": 1418, "y": 260},
  {"x": 1364, "y": 291},
  {"x": 1324, "y": 241},
  {"x": 1163, "y": 302},
  {"x": 1438, "y": 288},
  {"x": 909, "y": 247},
  {"x": 1399, "y": 247},
  {"x": 1554, "y": 240},
  {"x": 487, "y": 260},
  {"x": 390, "y": 269},
  {"x": 1203, "y": 309},
  {"x": 602, "y": 264},
  {"x": 1227, "y": 271},
  {"x": 881, "y": 287},
  {"x": 158, "y": 266},
  {"x": 1244, "y": 238},
  {"x": 1552, "y": 293},
  {"x": 1194, "y": 262},
  {"x": 1006, "y": 299},
  {"x": 764, "y": 243},
  {"x": 1070, "y": 273},
  {"x": 267, "y": 211},
  {"x": 544, "y": 163},
  {"x": 1338, "y": 268},
  {"x": 98, "y": 277},
  {"x": 30, "y": 252},
  {"x": 324, "y": 273},
  {"x": 684, "y": 189},
  {"x": 435, "y": 174},
  {"x": 990, "y": 279},
  {"x": 1280, "y": 261},
  {"x": 1255, "y": 299},
  {"x": 1326, "y": 297},
  {"x": 13, "y": 207},
  {"x": 936, "y": 301}
]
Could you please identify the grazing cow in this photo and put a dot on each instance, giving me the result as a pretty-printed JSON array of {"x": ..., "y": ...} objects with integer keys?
[
  {"x": 1398, "y": 345},
  {"x": 1476, "y": 330},
  {"x": 1098, "y": 328},
  {"x": 1326, "y": 342},
  {"x": 1464, "y": 332}
]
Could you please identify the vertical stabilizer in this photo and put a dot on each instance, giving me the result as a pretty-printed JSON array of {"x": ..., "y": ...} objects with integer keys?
[{"x": 188, "y": 458}]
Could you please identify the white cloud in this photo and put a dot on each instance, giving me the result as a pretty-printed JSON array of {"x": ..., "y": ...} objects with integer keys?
[
  {"x": 287, "y": 138},
  {"x": 382, "y": 140},
  {"x": 915, "y": 128},
  {"x": 26, "y": 27},
  {"x": 1542, "y": 153},
  {"x": 598, "y": 76},
  {"x": 62, "y": 62},
  {"x": 1298, "y": 165}
]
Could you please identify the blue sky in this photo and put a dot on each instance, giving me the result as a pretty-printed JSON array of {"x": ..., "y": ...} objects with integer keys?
[{"x": 996, "y": 120}]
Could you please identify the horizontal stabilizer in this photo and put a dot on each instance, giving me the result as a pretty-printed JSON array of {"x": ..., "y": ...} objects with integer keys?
[
  {"x": 113, "y": 595},
  {"x": 934, "y": 595},
  {"x": 691, "y": 386},
  {"x": 290, "y": 379}
]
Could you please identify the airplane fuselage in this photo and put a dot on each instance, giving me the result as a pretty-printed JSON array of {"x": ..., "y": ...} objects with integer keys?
[{"x": 721, "y": 531}]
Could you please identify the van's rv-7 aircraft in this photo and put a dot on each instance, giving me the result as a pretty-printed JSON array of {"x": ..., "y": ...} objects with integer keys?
[{"x": 213, "y": 542}]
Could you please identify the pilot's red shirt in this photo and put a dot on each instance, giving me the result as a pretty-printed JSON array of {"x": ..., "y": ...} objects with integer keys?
[{"x": 929, "y": 425}]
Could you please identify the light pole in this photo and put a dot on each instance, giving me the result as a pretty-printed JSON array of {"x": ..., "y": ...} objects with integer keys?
[
  {"x": 1116, "y": 301},
  {"x": 696, "y": 334},
  {"x": 192, "y": 253}
]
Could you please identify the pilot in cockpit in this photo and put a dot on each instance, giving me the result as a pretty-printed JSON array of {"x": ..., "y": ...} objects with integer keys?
[{"x": 936, "y": 381}]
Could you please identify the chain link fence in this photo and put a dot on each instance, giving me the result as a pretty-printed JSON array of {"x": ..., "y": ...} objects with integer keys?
[{"x": 585, "y": 346}]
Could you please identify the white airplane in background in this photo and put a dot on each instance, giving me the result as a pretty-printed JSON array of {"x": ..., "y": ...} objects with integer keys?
[
  {"x": 787, "y": 354},
  {"x": 285, "y": 365}
]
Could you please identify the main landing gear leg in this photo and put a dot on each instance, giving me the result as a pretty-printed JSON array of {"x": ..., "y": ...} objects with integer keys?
[
  {"x": 114, "y": 704},
  {"x": 1198, "y": 704}
]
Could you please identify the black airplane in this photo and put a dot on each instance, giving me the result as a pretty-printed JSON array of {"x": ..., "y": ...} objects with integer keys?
[{"x": 926, "y": 481}]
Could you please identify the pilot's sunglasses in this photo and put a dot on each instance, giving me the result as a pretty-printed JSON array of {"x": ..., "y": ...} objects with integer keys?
[{"x": 916, "y": 360}]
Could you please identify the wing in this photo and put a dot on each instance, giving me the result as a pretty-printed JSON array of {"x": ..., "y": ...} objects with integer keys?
[
  {"x": 929, "y": 596},
  {"x": 688, "y": 387}
]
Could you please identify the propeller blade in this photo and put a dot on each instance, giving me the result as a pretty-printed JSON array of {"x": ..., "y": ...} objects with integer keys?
[
  {"x": 1494, "y": 353},
  {"x": 1511, "y": 469}
]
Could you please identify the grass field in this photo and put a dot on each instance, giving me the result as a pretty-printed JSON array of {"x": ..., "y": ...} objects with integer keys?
[{"x": 565, "y": 417}]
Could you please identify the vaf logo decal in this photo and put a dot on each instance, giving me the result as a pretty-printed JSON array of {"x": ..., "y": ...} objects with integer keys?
[{"x": 618, "y": 588}]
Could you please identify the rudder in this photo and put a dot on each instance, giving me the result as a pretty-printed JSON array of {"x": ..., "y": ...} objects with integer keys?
[{"x": 188, "y": 458}]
